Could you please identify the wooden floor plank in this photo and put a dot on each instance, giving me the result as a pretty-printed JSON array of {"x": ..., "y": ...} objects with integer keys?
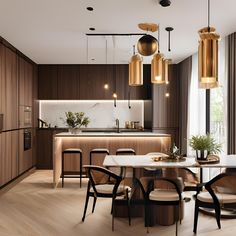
[{"x": 33, "y": 208}]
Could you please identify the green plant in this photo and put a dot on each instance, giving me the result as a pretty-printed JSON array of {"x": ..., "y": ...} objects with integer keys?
[
  {"x": 76, "y": 119},
  {"x": 205, "y": 142}
]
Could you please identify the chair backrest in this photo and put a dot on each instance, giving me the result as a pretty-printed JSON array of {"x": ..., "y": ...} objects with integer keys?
[
  {"x": 99, "y": 175},
  {"x": 223, "y": 183}
]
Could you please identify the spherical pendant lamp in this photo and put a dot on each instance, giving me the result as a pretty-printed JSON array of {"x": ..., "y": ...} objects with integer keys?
[{"x": 147, "y": 45}]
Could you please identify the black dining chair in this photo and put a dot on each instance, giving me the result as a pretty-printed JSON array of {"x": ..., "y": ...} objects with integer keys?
[
  {"x": 105, "y": 184},
  {"x": 220, "y": 191},
  {"x": 157, "y": 195}
]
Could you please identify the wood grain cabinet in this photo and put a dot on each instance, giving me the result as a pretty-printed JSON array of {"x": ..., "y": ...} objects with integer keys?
[
  {"x": 25, "y": 72},
  {"x": 8, "y": 156},
  {"x": 10, "y": 90},
  {"x": 86, "y": 82},
  {"x": 47, "y": 83},
  {"x": 67, "y": 82}
]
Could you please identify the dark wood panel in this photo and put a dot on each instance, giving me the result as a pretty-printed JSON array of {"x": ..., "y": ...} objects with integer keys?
[
  {"x": 68, "y": 82},
  {"x": 166, "y": 109},
  {"x": 44, "y": 149},
  {"x": 11, "y": 96},
  {"x": 47, "y": 83},
  {"x": 2, "y": 82}
]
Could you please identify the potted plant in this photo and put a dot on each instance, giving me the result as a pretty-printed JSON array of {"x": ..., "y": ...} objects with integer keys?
[
  {"x": 75, "y": 120},
  {"x": 204, "y": 145}
]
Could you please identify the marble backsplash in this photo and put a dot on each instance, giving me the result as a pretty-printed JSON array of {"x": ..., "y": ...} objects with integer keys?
[{"x": 102, "y": 113}]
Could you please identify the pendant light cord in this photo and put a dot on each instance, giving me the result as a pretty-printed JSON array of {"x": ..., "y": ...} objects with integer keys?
[
  {"x": 169, "y": 41},
  {"x": 159, "y": 38},
  {"x": 208, "y": 15}
]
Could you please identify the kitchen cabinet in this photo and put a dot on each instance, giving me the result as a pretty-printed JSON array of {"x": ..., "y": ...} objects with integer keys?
[
  {"x": 68, "y": 82},
  {"x": 47, "y": 83},
  {"x": 92, "y": 80},
  {"x": 2, "y": 82},
  {"x": 25, "y": 72},
  {"x": 10, "y": 99},
  {"x": 86, "y": 82},
  {"x": 8, "y": 156}
]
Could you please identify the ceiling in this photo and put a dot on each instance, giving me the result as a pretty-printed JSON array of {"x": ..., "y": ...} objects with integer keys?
[{"x": 53, "y": 31}]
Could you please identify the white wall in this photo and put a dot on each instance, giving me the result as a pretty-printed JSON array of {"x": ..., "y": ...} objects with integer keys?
[{"x": 102, "y": 113}]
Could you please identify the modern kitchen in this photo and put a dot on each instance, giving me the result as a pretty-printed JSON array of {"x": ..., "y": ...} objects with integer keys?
[{"x": 135, "y": 112}]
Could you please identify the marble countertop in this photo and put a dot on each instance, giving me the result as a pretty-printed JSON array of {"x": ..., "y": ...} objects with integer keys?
[{"x": 111, "y": 134}]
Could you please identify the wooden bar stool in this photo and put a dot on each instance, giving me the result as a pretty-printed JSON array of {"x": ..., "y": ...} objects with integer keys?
[
  {"x": 97, "y": 151},
  {"x": 71, "y": 174},
  {"x": 125, "y": 151}
]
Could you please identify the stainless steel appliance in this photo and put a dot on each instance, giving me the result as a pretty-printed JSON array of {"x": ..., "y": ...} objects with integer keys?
[{"x": 27, "y": 139}]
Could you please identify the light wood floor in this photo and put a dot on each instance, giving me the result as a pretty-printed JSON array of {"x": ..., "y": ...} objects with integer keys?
[{"x": 32, "y": 207}]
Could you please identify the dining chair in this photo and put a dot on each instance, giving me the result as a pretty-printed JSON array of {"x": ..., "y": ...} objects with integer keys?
[
  {"x": 219, "y": 191},
  {"x": 105, "y": 184},
  {"x": 155, "y": 193}
]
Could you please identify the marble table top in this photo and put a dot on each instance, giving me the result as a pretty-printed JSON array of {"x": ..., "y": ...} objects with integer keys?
[{"x": 141, "y": 161}]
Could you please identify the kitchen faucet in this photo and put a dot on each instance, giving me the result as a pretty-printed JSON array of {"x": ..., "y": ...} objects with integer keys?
[{"x": 117, "y": 126}]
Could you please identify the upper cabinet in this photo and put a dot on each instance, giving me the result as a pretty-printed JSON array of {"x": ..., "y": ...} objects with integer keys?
[
  {"x": 86, "y": 82},
  {"x": 8, "y": 88},
  {"x": 25, "y": 69},
  {"x": 47, "y": 82}
]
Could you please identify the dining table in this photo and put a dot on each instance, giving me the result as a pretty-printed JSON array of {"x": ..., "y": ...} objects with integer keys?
[{"x": 148, "y": 162}]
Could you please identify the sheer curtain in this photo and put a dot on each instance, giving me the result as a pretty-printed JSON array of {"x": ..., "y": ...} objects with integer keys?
[{"x": 197, "y": 107}]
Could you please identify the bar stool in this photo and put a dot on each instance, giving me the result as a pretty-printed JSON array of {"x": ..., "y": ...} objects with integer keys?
[
  {"x": 127, "y": 151},
  {"x": 97, "y": 151},
  {"x": 69, "y": 174},
  {"x": 124, "y": 151}
]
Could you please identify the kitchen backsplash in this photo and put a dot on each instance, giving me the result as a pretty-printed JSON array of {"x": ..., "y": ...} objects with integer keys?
[{"x": 102, "y": 113}]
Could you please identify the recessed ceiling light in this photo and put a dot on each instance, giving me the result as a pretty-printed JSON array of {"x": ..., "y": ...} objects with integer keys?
[
  {"x": 91, "y": 28},
  {"x": 92, "y": 59},
  {"x": 165, "y": 3},
  {"x": 90, "y": 8}
]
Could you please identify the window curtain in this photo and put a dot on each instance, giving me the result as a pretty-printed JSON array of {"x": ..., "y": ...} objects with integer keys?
[
  {"x": 231, "y": 111},
  {"x": 185, "y": 72}
]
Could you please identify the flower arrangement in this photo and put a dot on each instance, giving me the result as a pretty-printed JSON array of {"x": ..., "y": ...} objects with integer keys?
[{"x": 75, "y": 120}]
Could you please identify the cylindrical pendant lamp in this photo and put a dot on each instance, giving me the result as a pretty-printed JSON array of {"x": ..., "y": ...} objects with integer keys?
[
  {"x": 136, "y": 71},
  {"x": 157, "y": 69},
  {"x": 208, "y": 58}
]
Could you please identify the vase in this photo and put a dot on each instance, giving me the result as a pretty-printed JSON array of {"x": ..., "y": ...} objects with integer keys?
[
  {"x": 202, "y": 154},
  {"x": 75, "y": 130}
]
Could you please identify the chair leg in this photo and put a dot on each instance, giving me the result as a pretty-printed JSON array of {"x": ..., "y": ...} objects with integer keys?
[
  {"x": 80, "y": 174},
  {"x": 94, "y": 203},
  {"x": 62, "y": 171},
  {"x": 195, "y": 217},
  {"x": 218, "y": 213},
  {"x": 128, "y": 206},
  {"x": 112, "y": 208},
  {"x": 177, "y": 210},
  {"x": 86, "y": 202}
]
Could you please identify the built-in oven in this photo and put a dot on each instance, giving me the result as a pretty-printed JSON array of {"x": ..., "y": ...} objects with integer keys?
[{"x": 27, "y": 139}]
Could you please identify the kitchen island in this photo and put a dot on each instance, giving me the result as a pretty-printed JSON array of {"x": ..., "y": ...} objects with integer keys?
[{"x": 141, "y": 142}]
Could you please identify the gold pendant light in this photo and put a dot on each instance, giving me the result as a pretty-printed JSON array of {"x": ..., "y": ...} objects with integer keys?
[
  {"x": 208, "y": 56},
  {"x": 157, "y": 66},
  {"x": 157, "y": 70},
  {"x": 165, "y": 70},
  {"x": 135, "y": 70}
]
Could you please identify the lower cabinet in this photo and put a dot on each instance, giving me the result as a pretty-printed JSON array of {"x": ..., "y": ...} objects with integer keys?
[
  {"x": 13, "y": 159},
  {"x": 9, "y": 168}
]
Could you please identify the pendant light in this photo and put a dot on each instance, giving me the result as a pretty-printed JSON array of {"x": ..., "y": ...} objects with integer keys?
[
  {"x": 147, "y": 44},
  {"x": 169, "y": 29},
  {"x": 208, "y": 56},
  {"x": 165, "y": 68},
  {"x": 135, "y": 70},
  {"x": 157, "y": 70}
]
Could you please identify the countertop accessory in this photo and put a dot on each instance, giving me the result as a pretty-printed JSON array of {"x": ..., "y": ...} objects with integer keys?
[{"x": 211, "y": 159}]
